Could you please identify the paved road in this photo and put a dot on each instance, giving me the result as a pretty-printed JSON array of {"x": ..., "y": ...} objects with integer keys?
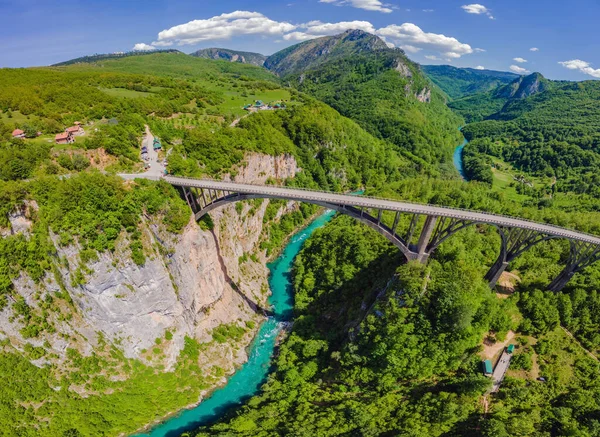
[
  {"x": 390, "y": 205},
  {"x": 500, "y": 370},
  {"x": 156, "y": 169}
]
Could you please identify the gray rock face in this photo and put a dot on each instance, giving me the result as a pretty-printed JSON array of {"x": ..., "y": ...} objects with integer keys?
[{"x": 198, "y": 286}]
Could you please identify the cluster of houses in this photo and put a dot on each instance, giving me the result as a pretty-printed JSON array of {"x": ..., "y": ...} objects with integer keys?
[
  {"x": 68, "y": 136},
  {"x": 259, "y": 105}
]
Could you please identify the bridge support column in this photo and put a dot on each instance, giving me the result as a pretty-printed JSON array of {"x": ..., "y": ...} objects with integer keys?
[
  {"x": 428, "y": 227},
  {"x": 562, "y": 279},
  {"x": 582, "y": 255}
]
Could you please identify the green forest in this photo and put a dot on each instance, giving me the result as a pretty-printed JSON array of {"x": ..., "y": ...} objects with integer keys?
[{"x": 378, "y": 346}]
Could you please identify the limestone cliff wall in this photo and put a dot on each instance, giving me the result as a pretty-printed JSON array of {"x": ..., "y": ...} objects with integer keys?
[{"x": 190, "y": 284}]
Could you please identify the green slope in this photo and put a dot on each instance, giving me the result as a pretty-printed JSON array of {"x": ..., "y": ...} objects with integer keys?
[
  {"x": 462, "y": 82},
  {"x": 378, "y": 87}
]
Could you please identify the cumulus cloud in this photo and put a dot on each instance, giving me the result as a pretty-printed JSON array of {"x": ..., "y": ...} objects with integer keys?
[
  {"x": 583, "y": 66},
  {"x": 317, "y": 29},
  {"x": 534, "y": 49},
  {"x": 477, "y": 9},
  {"x": 223, "y": 26},
  {"x": 142, "y": 47},
  {"x": 518, "y": 70},
  {"x": 432, "y": 58},
  {"x": 411, "y": 35},
  {"x": 408, "y": 36},
  {"x": 520, "y": 60},
  {"x": 480, "y": 67},
  {"x": 368, "y": 5}
]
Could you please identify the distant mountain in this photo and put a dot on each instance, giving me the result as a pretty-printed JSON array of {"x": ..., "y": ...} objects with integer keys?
[
  {"x": 378, "y": 87},
  {"x": 461, "y": 82},
  {"x": 106, "y": 56},
  {"x": 492, "y": 103},
  {"x": 231, "y": 56},
  {"x": 310, "y": 54}
]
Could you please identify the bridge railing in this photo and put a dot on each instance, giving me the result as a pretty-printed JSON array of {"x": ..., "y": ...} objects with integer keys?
[{"x": 558, "y": 228}]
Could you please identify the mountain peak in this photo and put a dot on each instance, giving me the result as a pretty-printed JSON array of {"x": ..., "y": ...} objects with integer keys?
[
  {"x": 310, "y": 54},
  {"x": 524, "y": 86}
]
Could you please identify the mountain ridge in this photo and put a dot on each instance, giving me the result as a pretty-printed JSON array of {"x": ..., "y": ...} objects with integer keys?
[
  {"x": 217, "y": 53},
  {"x": 460, "y": 82}
]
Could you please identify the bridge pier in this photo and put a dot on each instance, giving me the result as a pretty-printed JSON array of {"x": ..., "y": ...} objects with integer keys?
[
  {"x": 422, "y": 245},
  {"x": 513, "y": 243},
  {"x": 582, "y": 255}
]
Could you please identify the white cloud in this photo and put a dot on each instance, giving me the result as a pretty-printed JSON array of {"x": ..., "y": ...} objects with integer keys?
[
  {"x": 477, "y": 9},
  {"x": 432, "y": 58},
  {"x": 518, "y": 70},
  {"x": 520, "y": 60},
  {"x": 368, "y": 5},
  {"x": 410, "y": 49},
  {"x": 223, "y": 26},
  {"x": 142, "y": 47},
  {"x": 428, "y": 10},
  {"x": 317, "y": 29},
  {"x": 245, "y": 23},
  {"x": 534, "y": 49},
  {"x": 479, "y": 50},
  {"x": 480, "y": 67},
  {"x": 409, "y": 34},
  {"x": 583, "y": 66}
]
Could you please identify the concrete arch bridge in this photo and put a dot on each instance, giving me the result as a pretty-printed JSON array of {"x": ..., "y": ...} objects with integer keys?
[{"x": 416, "y": 230}]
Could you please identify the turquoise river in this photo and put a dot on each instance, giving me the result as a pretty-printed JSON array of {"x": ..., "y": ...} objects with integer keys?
[{"x": 248, "y": 379}]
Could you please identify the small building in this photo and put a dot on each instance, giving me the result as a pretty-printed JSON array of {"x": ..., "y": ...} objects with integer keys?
[
  {"x": 18, "y": 133},
  {"x": 77, "y": 123},
  {"x": 64, "y": 138},
  {"x": 487, "y": 368},
  {"x": 510, "y": 349},
  {"x": 247, "y": 107},
  {"x": 75, "y": 130},
  {"x": 156, "y": 145}
]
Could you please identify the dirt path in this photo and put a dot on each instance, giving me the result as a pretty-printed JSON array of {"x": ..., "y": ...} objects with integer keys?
[
  {"x": 490, "y": 350},
  {"x": 580, "y": 345}
]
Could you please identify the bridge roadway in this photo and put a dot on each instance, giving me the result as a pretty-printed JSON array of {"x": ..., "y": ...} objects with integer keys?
[{"x": 382, "y": 204}]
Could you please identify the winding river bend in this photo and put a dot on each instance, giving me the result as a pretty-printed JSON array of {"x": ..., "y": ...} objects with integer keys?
[{"x": 248, "y": 379}]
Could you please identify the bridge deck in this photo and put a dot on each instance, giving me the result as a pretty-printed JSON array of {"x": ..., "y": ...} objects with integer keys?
[{"x": 389, "y": 205}]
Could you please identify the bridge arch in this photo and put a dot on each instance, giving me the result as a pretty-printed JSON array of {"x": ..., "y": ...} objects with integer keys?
[{"x": 517, "y": 235}]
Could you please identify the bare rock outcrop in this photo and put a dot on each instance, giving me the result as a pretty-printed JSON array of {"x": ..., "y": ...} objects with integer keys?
[{"x": 189, "y": 284}]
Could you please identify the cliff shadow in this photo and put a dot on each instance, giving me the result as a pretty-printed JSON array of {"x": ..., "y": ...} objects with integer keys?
[{"x": 253, "y": 305}]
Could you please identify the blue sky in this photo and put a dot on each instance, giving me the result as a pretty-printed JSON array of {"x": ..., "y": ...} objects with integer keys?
[{"x": 495, "y": 34}]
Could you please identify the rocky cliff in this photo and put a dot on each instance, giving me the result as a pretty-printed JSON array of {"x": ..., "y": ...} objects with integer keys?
[
  {"x": 190, "y": 284},
  {"x": 231, "y": 56}
]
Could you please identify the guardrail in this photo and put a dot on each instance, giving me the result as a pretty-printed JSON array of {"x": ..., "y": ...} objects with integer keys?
[{"x": 559, "y": 230}]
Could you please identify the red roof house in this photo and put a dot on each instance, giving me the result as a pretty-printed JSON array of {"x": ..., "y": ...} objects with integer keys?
[
  {"x": 18, "y": 133},
  {"x": 74, "y": 130},
  {"x": 64, "y": 138}
]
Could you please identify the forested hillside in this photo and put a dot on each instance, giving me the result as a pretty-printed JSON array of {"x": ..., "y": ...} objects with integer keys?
[
  {"x": 462, "y": 82},
  {"x": 380, "y": 88},
  {"x": 552, "y": 134},
  {"x": 490, "y": 104}
]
